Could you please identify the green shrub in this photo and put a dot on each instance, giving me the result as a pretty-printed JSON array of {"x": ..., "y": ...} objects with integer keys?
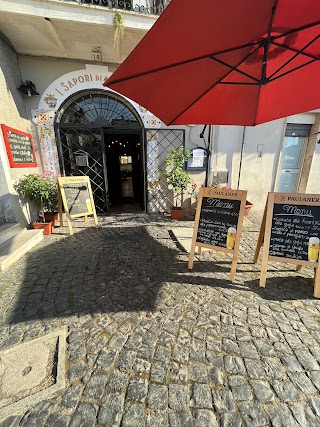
[
  {"x": 40, "y": 189},
  {"x": 178, "y": 179}
]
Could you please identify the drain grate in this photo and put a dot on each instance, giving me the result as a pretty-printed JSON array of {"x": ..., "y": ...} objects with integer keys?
[{"x": 32, "y": 371}]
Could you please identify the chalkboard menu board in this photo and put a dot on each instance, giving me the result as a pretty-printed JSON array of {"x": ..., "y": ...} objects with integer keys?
[
  {"x": 290, "y": 232},
  {"x": 217, "y": 216},
  {"x": 75, "y": 195},
  {"x": 294, "y": 229},
  {"x": 20, "y": 148},
  {"x": 218, "y": 222},
  {"x": 78, "y": 198}
]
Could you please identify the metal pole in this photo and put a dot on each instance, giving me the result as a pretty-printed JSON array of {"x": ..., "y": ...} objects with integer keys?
[
  {"x": 242, "y": 145},
  {"x": 208, "y": 151}
]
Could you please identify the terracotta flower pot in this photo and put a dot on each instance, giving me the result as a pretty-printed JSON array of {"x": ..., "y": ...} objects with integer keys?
[
  {"x": 45, "y": 226},
  {"x": 52, "y": 216},
  {"x": 176, "y": 213}
]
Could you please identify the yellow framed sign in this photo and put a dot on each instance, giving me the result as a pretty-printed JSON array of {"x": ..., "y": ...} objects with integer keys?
[
  {"x": 218, "y": 223},
  {"x": 75, "y": 196},
  {"x": 290, "y": 233}
]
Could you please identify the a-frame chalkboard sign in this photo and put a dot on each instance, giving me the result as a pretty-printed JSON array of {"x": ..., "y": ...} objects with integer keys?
[
  {"x": 218, "y": 222},
  {"x": 75, "y": 196},
  {"x": 290, "y": 233}
]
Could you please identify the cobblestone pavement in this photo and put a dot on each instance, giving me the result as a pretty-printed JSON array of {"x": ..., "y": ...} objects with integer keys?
[{"x": 151, "y": 343}]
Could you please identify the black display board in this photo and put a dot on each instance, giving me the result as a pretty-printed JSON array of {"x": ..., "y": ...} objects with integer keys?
[
  {"x": 291, "y": 230},
  {"x": 77, "y": 197},
  {"x": 218, "y": 223},
  {"x": 20, "y": 148},
  {"x": 217, "y": 216}
]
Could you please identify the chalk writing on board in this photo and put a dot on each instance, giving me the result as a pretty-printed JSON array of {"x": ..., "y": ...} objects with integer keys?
[
  {"x": 78, "y": 198},
  {"x": 218, "y": 222},
  {"x": 295, "y": 232},
  {"x": 21, "y": 148}
]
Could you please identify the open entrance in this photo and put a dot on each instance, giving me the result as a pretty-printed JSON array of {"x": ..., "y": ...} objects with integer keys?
[{"x": 125, "y": 171}]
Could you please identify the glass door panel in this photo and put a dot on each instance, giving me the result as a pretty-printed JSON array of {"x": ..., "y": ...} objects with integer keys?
[{"x": 292, "y": 159}]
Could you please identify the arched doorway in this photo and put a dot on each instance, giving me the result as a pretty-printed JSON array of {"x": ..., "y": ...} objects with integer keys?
[{"x": 99, "y": 134}]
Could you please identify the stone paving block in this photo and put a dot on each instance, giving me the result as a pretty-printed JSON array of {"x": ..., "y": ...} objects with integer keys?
[
  {"x": 179, "y": 398},
  {"x": 205, "y": 418},
  {"x": 157, "y": 419},
  {"x": 157, "y": 397},
  {"x": 96, "y": 385},
  {"x": 302, "y": 382},
  {"x": 280, "y": 415},
  {"x": 181, "y": 419},
  {"x": 240, "y": 387},
  {"x": 111, "y": 409},
  {"x": 314, "y": 403},
  {"x": 159, "y": 372},
  {"x": 255, "y": 368},
  {"x": 198, "y": 372},
  {"x": 291, "y": 363},
  {"x": 253, "y": 414},
  {"x": 57, "y": 420},
  {"x": 307, "y": 360},
  {"x": 231, "y": 419},
  {"x": 285, "y": 391},
  {"x": 234, "y": 365},
  {"x": 133, "y": 415},
  {"x": 178, "y": 373},
  {"x": 137, "y": 390},
  {"x": 85, "y": 414},
  {"x": 262, "y": 390},
  {"x": 223, "y": 401},
  {"x": 201, "y": 396}
]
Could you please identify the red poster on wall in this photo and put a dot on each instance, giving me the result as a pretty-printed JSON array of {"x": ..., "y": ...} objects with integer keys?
[{"x": 20, "y": 148}]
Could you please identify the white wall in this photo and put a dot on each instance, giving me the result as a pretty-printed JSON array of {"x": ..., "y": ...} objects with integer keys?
[
  {"x": 314, "y": 177},
  {"x": 258, "y": 173},
  {"x": 13, "y": 114}
]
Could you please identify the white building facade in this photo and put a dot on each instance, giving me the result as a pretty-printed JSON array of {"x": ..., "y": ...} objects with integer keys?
[{"x": 67, "y": 49}]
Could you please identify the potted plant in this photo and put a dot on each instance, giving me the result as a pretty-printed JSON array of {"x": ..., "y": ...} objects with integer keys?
[
  {"x": 177, "y": 178},
  {"x": 42, "y": 190}
]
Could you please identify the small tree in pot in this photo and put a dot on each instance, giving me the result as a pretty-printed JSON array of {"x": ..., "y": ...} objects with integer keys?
[
  {"x": 178, "y": 179},
  {"x": 42, "y": 190}
]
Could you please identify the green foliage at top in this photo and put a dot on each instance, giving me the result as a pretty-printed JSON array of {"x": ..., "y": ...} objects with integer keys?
[
  {"x": 118, "y": 25},
  {"x": 40, "y": 189},
  {"x": 178, "y": 179}
]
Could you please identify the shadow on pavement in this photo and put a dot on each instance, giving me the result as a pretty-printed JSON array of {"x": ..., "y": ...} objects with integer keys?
[{"x": 111, "y": 269}]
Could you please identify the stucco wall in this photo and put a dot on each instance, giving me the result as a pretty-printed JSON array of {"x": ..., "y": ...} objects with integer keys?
[
  {"x": 14, "y": 114},
  {"x": 314, "y": 177}
]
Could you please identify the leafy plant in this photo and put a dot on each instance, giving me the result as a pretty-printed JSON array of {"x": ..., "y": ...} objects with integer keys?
[
  {"x": 178, "y": 179},
  {"x": 118, "y": 25},
  {"x": 40, "y": 189}
]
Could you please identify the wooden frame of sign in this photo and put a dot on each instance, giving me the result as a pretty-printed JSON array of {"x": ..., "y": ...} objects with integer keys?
[
  {"x": 287, "y": 225},
  {"x": 75, "y": 204},
  {"x": 217, "y": 211}
]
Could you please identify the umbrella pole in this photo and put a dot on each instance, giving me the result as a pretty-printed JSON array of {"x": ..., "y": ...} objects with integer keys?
[
  {"x": 241, "y": 155},
  {"x": 208, "y": 151}
]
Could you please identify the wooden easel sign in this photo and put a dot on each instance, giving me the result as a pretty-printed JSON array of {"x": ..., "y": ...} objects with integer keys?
[
  {"x": 75, "y": 196},
  {"x": 290, "y": 232},
  {"x": 218, "y": 222}
]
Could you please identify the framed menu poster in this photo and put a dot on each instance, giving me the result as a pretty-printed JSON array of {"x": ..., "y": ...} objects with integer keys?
[{"x": 20, "y": 148}]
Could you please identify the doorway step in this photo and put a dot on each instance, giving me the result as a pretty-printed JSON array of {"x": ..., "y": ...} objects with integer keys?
[{"x": 15, "y": 241}]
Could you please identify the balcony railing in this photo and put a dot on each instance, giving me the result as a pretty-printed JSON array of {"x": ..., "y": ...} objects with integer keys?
[{"x": 153, "y": 7}]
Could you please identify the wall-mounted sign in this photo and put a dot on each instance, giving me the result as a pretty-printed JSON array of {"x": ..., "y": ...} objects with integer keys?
[
  {"x": 20, "y": 148},
  {"x": 81, "y": 158},
  {"x": 197, "y": 159}
]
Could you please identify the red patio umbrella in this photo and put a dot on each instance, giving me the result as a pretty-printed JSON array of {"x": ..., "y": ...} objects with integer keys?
[{"x": 235, "y": 62}]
